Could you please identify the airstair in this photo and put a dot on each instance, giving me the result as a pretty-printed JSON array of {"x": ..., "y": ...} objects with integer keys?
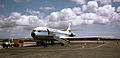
[{"x": 63, "y": 41}]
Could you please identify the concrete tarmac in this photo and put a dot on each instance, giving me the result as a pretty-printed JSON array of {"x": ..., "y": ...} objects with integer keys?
[{"x": 107, "y": 49}]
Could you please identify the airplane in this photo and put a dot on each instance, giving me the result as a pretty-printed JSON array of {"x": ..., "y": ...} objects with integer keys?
[{"x": 42, "y": 35}]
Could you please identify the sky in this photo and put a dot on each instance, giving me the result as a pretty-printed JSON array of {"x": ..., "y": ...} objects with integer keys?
[{"x": 93, "y": 17}]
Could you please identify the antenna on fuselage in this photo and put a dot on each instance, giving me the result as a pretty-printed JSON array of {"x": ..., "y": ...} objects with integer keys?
[{"x": 69, "y": 28}]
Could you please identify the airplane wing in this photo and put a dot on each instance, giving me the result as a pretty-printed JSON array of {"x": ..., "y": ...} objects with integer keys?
[
  {"x": 74, "y": 30},
  {"x": 86, "y": 37}
]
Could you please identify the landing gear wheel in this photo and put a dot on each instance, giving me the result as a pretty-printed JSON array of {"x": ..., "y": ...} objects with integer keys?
[
  {"x": 52, "y": 42},
  {"x": 62, "y": 44},
  {"x": 45, "y": 43},
  {"x": 41, "y": 43},
  {"x": 38, "y": 43}
]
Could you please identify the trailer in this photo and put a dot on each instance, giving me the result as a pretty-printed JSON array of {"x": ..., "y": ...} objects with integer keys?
[{"x": 18, "y": 43}]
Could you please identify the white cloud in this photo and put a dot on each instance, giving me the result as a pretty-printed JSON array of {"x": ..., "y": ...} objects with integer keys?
[
  {"x": 1, "y": 20},
  {"x": 57, "y": 18},
  {"x": 118, "y": 9},
  {"x": 67, "y": 15},
  {"x": 11, "y": 20},
  {"x": 116, "y": 0},
  {"x": 106, "y": 10},
  {"x": 77, "y": 10},
  {"x": 16, "y": 24},
  {"x": 35, "y": 13},
  {"x": 17, "y": 1},
  {"x": 63, "y": 15},
  {"x": 115, "y": 17},
  {"x": 82, "y": 20},
  {"x": 93, "y": 18},
  {"x": 2, "y": 5},
  {"x": 15, "y": 15},
  {"x": 28, "y": 0},
  {"x": 101, "y": 15},
  {"x": 32, "y": 12},
  {"x": 16, "y": 19},
  {"x": 84, "y": 7},
  {"x": 79, "y": 1},
  {"x": 33, "y": 21},
  {"x": 105, "y": 1},
  {"x": 47, "y": 8},
  {"x": 101, "y": 20},
  {"x": 91, "y": 6},
  {"x": 88, "y": 14},
  {"x": 95, "y": 15}
]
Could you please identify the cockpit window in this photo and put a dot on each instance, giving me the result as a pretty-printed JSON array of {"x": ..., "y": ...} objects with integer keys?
[
  {"x": 39, "y": 31},
  {"x": 33, "y": 30}
]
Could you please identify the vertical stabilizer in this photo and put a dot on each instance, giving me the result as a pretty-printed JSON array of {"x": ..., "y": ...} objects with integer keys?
[{"x": 69, "y": 28}]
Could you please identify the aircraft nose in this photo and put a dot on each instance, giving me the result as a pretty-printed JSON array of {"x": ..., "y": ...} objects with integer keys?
[{"x": 33, "y": 34}]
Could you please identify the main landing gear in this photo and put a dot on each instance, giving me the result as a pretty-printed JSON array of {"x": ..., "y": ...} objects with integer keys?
[
  {"x": 42, "y": 43},
  {"x": 52, "y": 42}
]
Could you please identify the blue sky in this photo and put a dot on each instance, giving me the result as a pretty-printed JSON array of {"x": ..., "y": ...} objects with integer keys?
[
  {"x": 22, "y": 5},
  {"x": 94, "y": 17}
]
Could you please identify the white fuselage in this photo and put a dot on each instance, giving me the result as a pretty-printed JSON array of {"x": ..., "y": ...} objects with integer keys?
[{"x": 43, "y": 33}]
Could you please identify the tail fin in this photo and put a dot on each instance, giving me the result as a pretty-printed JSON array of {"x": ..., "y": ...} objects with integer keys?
[{"x": 69, "y": 28}]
